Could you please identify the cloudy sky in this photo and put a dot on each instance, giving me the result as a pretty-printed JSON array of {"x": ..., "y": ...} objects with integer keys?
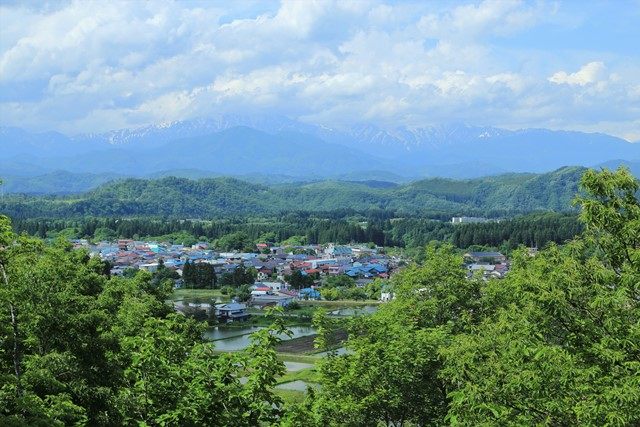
[{"x": 95, "y": 66}]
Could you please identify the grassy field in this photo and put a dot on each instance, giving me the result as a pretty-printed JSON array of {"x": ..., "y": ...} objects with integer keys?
[
  {"x": 335, "y": 305},
  {"x": 180, "y": 294},
  {"x": 290, "y": 357},
  {"x": 307, "y": 375},
  {"x": 290, "y": 397}
]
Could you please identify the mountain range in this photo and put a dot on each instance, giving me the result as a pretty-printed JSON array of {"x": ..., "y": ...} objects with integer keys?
[{"x": 272, "y": 149}]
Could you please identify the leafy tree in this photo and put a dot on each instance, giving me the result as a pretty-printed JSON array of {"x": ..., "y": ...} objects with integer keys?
[
  {"x": 374, "y": 289},
  {"x": 295, "y": 241},
  {"x": 330, "y": 294},
  {"x": 235, "y": 241},
  {"x": 104, "y": 234},
  {"x": 267, "y": 237},
  {"x": 242, "y": 293},
  {"x": 339, "y": 281},
  {"x": 80, "y": 348},
  {"x": 298, "y": 280},
  {"x": 562, "y": 330},
  {"x": 164, "y": 277},
  {"x": 199, "y": 275},
  {"x": 391, "y": 372}
]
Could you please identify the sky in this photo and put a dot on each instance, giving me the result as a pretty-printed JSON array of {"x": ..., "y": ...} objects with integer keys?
[{"x": 94, "y": 66}]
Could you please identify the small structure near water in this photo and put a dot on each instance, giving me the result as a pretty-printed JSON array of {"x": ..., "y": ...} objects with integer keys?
[{"x": 231, "y": 312}]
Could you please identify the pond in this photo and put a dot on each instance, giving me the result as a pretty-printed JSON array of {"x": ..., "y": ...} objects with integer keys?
[
  {"x": 338, "y": 351},
  {"x": 297, "y": 385},
  {"x": 297, "y": 366},
  {"x": 234, "y": 339},
  {"x": 220, "y": 332}
]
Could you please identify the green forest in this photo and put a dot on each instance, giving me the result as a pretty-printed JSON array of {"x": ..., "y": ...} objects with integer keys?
[
  {"x": 533, "y": 230},
  {"x": 527, "y": 209},
  {"x": 180, "y": 198},
  {"x": 556, "y": 342}
]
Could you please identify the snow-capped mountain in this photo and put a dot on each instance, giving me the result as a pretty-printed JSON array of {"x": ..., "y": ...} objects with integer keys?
[
  {"x": 233, "y": 144},
  {"x": 168, "y": 131},
  {"x": 363, "y": 136}
]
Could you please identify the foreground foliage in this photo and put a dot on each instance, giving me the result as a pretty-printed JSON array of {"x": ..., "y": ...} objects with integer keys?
[
  {"x": 555, "y": 343},
  {"x": 78, "y": 347}
]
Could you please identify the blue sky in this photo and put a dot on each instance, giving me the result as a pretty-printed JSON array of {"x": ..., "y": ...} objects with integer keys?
[{"x": 96, "y": 66}]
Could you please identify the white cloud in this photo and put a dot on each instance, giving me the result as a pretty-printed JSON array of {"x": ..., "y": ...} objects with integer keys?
[
  {"x": 93, "y": 66},
  {"x": 592, "y": 72}
]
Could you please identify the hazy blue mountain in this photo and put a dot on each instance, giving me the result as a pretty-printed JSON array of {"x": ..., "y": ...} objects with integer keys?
[
  {"x": 58, "y": 182},
  {"x": 484, "y": 150},
  {"x": 262, "y": 146},
  {"x": 18, "y": 142},
  {"x": 165, "y": 132},
  {"x": 234, "y": 151},
  {"x": 632, "y": 165}
]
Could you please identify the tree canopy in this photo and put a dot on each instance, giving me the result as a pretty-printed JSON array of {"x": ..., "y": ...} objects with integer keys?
[
  {"x": 557, "y": 342},
  {"x": 80, "y": 348}
]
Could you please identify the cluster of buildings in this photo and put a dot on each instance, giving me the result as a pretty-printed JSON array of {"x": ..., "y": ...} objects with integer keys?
[
  {"x": 470, "y": 220},
  {"x": 272, "y": 263},
  {"x": 490, "y": 264}
]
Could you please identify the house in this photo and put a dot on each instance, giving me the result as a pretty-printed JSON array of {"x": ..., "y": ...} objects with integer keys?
[
  {"x": 335, "y": 270},
  {"x": 125, "y": 244},
  {"x": 338, "y": 252},
  {"x": 272, "y": 286},
  {"x": 317, "y": 263},
  {"x": 309, "y": 293},
  {"x": 492, "y": 257},
  {"x": 150, "y": 267},
  {"x": 264, "y": 273},
  {"x": 277, "y": 250},
  {"x": 262, "y": 301},
  {"x": 260, "y": 290},
  {"x": 231, "y": 312},
  {"x": 262, "y": 247},
  {"x": 468, "y": 220},
  {"x": 386, "y": 296},
  {"x": 361, "y": 283},
  {"x": 481, "y": 267}
]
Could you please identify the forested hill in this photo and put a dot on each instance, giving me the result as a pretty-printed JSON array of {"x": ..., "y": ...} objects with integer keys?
[{"x": 178, "y": 197}]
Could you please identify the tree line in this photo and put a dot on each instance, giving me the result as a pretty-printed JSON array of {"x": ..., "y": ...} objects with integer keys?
[
  {"x": 171, "y": 197},
  {"x": 242, "y": 234}
]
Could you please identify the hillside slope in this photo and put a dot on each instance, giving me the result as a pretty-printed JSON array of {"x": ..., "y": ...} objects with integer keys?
[{"x": 213, "y": 197}]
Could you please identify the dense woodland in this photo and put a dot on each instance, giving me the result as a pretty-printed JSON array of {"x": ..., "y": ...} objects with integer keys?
[
  {"x": 242, "y": 234},
  {"x": 179, "y": 198},
  {"x": 236, "y": 215},
  {"x": 556, "y": 342}
]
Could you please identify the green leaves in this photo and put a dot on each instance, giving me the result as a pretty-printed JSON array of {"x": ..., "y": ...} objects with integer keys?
[
  {"x": 557, "y": 342},
  {"x": 554, "y": 346},
  {"x": 109, "y": 351}
]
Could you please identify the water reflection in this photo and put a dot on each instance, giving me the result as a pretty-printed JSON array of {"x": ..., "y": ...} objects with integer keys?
[
  {"x": 297, "y": 385},
  {"x": 234, "y": 339}
]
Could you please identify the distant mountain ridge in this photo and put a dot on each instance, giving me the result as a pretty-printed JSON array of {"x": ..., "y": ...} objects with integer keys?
[
  {"x": 497, "y": 196},
  {"x": 278, "y": 146}
]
